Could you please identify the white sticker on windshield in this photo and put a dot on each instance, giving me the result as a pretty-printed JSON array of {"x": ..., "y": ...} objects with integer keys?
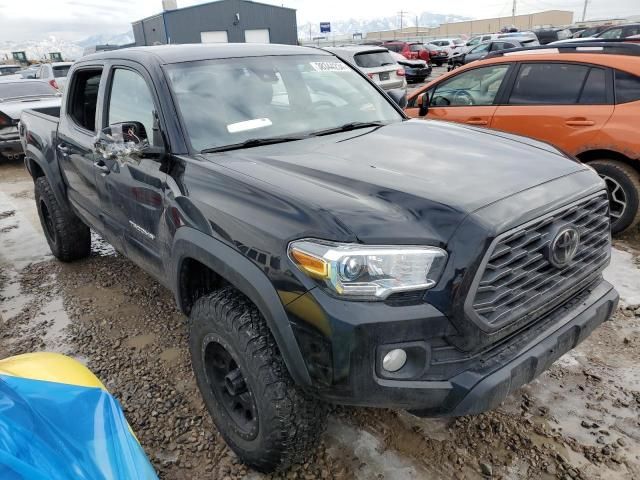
[
  {"x": 329, "y": 66},
  {"x": 249, "y": 125}
]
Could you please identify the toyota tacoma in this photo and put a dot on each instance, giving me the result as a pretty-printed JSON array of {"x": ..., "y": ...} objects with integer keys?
[{"x": 324, "y": 247}]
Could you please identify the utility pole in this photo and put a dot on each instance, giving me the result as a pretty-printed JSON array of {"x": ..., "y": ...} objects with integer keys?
[
  {"x": 401, "y": 13},
  {"x": 513, "y": 13},
  {"x": 584, "y": 10}
]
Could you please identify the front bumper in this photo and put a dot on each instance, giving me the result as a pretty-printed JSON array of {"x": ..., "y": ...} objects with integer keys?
[{"x": 343, "y": 356}]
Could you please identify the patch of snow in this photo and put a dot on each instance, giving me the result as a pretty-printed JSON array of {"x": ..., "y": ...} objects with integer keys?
[
  {"x": 373, "y": 461},
  {"x": 625, "y": 276}
]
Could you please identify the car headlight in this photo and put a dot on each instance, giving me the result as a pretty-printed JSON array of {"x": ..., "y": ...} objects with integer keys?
[{"x": 368, "y": 272}]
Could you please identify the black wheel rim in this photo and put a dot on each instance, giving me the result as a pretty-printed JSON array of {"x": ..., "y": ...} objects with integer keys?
[
  {"x": 47, "y": 221},
  {"x": 617, "y": 197},
  {"x": 231, "y": 389}
]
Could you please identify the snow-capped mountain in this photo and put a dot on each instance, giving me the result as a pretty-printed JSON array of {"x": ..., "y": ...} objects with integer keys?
[
  {"x": 353, "y": 25},
  {"x": 40, "y": 49}
]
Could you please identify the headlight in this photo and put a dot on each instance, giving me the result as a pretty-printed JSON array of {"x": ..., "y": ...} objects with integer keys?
[{"x": 368, "y": 272}]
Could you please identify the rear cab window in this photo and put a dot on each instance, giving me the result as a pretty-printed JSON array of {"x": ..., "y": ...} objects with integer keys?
[
  {"x": 373, "y": 59},
  {"x": 61, "y": 71},
  {"x": 83, "y": 98}
]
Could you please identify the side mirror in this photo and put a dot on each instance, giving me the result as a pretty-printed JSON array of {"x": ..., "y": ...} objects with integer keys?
[
  {"x": 423, "y": 104},
  {"x": 125, "y": 140},
  {"x": 398, "y": 95}
]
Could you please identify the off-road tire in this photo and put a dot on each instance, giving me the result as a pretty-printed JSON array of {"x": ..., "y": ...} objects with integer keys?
[
  {"x": 289, "y": 422},
  {"x": 629, "y": 180},
  {"x": 68, "y": 238}
]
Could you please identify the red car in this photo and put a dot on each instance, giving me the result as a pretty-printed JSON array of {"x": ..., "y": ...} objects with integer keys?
[
  {"x": 421, "y": 49},
  {"x": 403, "y": 48}
]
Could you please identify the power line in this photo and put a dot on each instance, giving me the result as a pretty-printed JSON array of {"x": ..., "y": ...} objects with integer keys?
[
  {"x": 401, "y": 13},
  {"x": 584, "y": 9}
]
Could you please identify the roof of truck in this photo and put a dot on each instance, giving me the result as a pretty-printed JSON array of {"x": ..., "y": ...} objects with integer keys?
[{"x": 203, "y": 51}]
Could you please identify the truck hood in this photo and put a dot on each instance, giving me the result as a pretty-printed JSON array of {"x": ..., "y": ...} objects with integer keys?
[
  {"x": 408, "y": 182},
  {"x": 14, "y": 108}
]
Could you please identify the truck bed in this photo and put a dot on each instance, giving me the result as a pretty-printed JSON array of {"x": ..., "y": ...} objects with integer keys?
[{"x": 48, "y": 113}]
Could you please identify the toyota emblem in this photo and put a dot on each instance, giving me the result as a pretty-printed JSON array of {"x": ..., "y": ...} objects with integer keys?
[{"x": 564, "y": 246}]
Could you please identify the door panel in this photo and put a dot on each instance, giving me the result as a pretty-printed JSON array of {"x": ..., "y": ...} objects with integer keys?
[
  {"x": 76, "y": 137},
  {"x": 564, "y": 104},
  {"x": 132, "y": 186},
  {"x": 467, "y": 97},
  {"x": 567, "y": 127}
]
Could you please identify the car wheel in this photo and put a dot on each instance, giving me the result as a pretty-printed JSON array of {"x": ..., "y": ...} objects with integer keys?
[
  {"x": 623, "y": 185},
  {"x": 68, "y": 238},
  {"x": 265, "y": 419}
]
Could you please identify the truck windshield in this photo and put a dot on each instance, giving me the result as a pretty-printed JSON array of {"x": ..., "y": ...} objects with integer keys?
[{"x": 229, "y": 101}]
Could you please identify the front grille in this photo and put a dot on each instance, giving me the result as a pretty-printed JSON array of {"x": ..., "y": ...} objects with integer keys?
[{"x": 517, "y": 280}]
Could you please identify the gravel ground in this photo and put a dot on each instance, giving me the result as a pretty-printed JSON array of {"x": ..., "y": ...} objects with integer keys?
[{"x": 579, "y": 420}]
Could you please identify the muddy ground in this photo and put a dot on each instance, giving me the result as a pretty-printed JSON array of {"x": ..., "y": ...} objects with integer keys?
[{"x": 579, "y": 420}]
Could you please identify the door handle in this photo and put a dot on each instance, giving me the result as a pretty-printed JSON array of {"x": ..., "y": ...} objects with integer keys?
[
  {"x": 579, "y": 122},
  {"x": 477, "y": 121},
  {"x": 63, "y": 150},
  {"x": 102, "y": 167}
]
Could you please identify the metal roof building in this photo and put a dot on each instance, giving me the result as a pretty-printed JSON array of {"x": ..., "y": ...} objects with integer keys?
[{"x": 234, "y": 21}]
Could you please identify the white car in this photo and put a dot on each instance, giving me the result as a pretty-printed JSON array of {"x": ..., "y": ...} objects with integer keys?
[
  {"x": 9, "y": 72},
  {"x": 54, "y": 73},
  {"x": 376, "y": 62},
  {"x": 16, "y": 96},
  {"x": 449, "y": 45}
]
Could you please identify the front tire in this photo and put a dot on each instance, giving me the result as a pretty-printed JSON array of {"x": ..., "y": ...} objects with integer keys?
[
  {"x": 623, "y": 185},
  {"x": 253, "y": 401},
  {"x": 68, "y": 238}
]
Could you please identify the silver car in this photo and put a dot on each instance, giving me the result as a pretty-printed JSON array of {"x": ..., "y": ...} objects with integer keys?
[
  {"x": 16, "y": 96},
  {"x": 374, "y": 61}
]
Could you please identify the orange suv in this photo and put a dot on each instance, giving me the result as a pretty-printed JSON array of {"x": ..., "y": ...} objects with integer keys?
[{"x": 583, "y": 98}]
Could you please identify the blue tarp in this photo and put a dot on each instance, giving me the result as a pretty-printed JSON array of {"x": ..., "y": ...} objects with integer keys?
[{"x": 51, "y": 431}]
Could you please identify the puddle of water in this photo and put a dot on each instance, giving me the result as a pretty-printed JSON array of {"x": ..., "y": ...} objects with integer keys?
[
  {"x": 625, "y": 276},
  {"x": 170, "y": 355},
  {"x": 141, "y": 341},
  {"x": 371, "y": 460}
]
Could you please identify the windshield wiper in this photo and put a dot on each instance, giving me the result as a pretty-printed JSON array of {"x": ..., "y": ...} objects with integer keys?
[
  {"x": 252, "y": 142},
  {"x": 347, "y": 127}
]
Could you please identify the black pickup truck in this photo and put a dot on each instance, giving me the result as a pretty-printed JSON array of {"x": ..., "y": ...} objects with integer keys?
[{"x": 325, "y": 249}]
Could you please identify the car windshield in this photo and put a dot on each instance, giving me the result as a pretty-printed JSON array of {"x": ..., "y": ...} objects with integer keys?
[
  {"x": 61, "y": 71},
  {"x": 373, "y": 59},
  {"x": 25, "y": 89},
  {"x": 9, "y": 70},
  {"x": 229, "y": 101},
  {"x": 416, "y": 47}
]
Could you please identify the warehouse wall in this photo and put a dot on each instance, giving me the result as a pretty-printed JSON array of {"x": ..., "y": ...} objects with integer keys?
[
  {"x": 185, "y": 25},
  {"x": 149, "y": 31},
  {"x": 488, "y": 25}
]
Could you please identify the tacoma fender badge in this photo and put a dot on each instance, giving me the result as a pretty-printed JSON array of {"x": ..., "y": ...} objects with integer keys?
[{"x": 141, "y": 230}]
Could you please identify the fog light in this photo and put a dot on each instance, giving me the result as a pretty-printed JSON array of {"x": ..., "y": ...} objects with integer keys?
[{"x": 394, "y": 360}]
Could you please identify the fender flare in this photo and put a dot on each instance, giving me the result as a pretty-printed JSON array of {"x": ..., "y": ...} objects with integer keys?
[
  {"x": 244, "y": 275},
  {"x": 50, "y": 170}
]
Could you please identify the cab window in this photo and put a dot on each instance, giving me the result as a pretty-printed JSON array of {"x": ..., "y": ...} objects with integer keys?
[
  {"x": 474, "y": 87},
  {"x": 558, "y": 84},
  {"x": 130, "y": 100},
  {"x": 83, "y": 98}
]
